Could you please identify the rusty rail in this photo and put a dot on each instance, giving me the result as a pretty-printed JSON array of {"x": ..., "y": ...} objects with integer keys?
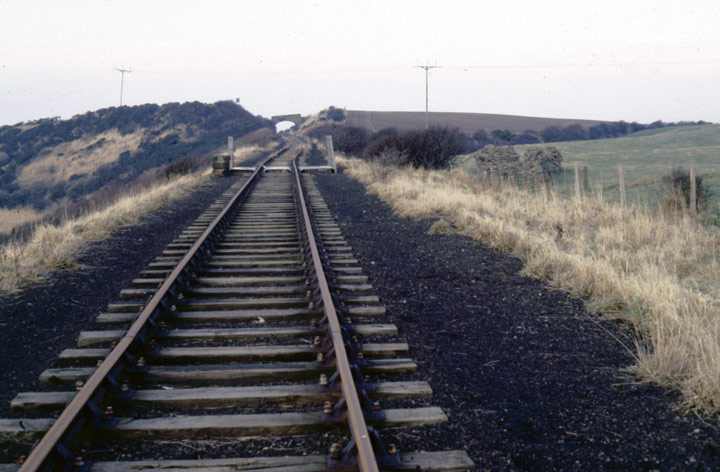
[
  {"x": 52, "y": 449},
  {"x": 356, "y": 417}
]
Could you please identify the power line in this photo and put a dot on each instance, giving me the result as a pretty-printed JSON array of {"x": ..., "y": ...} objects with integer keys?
[
  {"x": 122, "y": 79},
  {"x": 588, "y": 65},
  {"x": 427, "y": 68}
]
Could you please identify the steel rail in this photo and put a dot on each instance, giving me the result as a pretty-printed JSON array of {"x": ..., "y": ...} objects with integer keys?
[
  {"x": 66, "y": 421},
  {"x": 356, "y": 418}
]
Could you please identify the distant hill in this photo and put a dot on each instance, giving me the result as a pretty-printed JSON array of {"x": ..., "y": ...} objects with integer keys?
[
  {"x": 47, "y": 163},
  {"x": 467, "y": 123}
]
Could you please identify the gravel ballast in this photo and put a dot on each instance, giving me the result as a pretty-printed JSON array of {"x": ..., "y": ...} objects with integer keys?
[
  {"x": 37, "y": 323},
  {"x": 528, "y": 377}
]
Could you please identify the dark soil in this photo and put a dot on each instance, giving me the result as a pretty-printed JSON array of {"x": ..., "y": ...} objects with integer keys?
[
  {"x": 43, "y": 319},
  {"x": 529, "y": 378}
]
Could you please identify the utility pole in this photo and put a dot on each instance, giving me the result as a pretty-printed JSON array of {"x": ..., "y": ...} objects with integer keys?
[
  {"x": 427, "y": 68},
  {"x": 122, "y": 79}
]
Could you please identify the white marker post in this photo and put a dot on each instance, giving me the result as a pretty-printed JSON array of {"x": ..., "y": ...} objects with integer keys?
[
  {"x": 231, "y": 151},
  {"x": 331, "y": 152}
]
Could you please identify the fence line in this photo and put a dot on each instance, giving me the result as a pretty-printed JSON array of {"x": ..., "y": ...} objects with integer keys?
[{"x": 625, "y": 186}]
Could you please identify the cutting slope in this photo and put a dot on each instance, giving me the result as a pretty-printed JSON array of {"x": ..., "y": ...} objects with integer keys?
[{"x": 49, "y": 164}]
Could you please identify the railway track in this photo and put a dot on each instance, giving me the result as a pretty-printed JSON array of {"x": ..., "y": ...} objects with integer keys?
[{"x": 255, "y": 327}]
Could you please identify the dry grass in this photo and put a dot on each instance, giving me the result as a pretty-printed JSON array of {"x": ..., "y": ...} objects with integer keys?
[
  {"x": 81, "y": 156},
  {"x": 12, "y": 218},
  {"x": 659, "y": 272},
  {"x": 244, "y": 153},
  {"x": 56, "y": 247}
]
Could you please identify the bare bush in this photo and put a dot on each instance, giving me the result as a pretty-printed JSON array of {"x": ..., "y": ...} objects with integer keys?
[
  {"x": 385, "y": 163},
  {"x": 433, "y": 148},
  {"x": 676, "y": 198},
  {"x": 183, "y": 166}
]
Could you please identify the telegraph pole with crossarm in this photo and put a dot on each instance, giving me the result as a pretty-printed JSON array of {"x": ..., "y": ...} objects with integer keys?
[
  {"x": 427, "y": 68},
  {"x": 122, "y": 79}
]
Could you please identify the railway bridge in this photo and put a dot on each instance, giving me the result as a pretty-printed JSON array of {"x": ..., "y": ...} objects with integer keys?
[{"x": 295, "y": 118}]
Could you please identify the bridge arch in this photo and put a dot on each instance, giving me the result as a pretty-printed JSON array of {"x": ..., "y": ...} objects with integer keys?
[{"x": 295, "y": 118}]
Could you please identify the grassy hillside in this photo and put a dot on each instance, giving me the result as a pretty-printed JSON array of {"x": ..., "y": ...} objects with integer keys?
[
  {"x": 646, "y": 156},
  {"x": 467, "y": 123},
  {"x": 50, "y": 164}
]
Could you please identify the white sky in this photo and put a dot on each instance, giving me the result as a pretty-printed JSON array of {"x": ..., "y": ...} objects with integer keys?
[{"x": 633, "y": 60}]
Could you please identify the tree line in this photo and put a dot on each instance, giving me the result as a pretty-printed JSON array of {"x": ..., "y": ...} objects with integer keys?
[{"x": 572, "y": 132}]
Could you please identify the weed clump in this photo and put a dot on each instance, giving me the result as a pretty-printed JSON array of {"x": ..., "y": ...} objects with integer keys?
[
  {"x": 183, "y": 166},
  {"x": 677, "y": 192}
]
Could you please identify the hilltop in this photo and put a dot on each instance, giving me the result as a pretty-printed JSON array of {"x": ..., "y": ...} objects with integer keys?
[
  {"x": 48, "y": 164},
  {"x": 467, "y": 123}
]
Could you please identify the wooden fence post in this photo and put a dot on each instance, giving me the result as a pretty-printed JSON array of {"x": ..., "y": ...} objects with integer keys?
[
  {"x": 693, "y": 190},
  {"x": 586, "y": 179},
  {"x": 623, "y": 200},
  {"x": 577, "y": 182}
]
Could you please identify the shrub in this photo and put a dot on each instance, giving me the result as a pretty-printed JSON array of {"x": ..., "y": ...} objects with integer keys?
[
  {"x": 350, "y": 140},
  {"x": 527, "y": 137},
  {"x": 431, "y": 149},
  {"x": 677, "y": 192},
  {"x": 503, "y": 136},
  {"x": 548, "y": 158},
  {"x": 183, "y": 166},
  {"x": 335, "y": 114},
  {"x": 386, "y": 138},
  {"x": 385, "y": 163}
]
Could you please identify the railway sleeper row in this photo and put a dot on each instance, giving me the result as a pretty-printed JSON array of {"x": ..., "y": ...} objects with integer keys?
[{"x": 243, "y": 355}]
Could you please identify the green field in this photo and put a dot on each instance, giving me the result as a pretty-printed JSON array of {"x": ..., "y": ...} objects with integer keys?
[{"x": 646, "y": 157}]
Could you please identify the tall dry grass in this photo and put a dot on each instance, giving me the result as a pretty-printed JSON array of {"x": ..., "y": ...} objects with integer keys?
[
  {"x": 11, "y": 218},
  {"x": 81, "y": 156},
  {"x": 660, "y": 272},
  {"x": 55, "y": 247}
]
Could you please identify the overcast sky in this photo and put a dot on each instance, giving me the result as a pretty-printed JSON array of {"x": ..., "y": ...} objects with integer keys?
[{"x": 631, "y": 60}]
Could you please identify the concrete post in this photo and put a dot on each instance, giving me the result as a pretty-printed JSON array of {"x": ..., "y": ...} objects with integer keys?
[
  {"x": 331, "y": 152},
  {"x": 231, "y": 151}
]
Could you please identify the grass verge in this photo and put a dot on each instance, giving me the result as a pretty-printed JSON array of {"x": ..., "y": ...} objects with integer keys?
[
  {"x": 659, "y": 272},
  {"x": 57, "y": 247}
]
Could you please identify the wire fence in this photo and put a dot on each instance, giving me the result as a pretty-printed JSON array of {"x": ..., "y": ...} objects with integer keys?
[{"x": 624, "y": 185}]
